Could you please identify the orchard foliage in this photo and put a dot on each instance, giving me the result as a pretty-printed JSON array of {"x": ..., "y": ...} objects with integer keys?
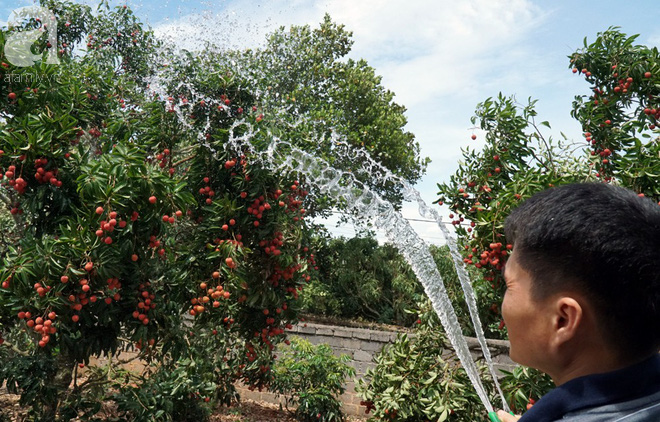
[
  {"x": 360, "y": 279},
  {"x": 131, "y": 223},
  {"x": 518, "y": 159},
  {"x": 310, "y": 75}
]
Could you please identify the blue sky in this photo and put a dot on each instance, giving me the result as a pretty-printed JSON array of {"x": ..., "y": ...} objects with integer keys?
[{"x": 439, "y": 57}]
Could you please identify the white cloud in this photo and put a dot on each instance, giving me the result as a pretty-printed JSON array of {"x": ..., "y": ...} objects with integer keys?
[{"x": 426, "y": 49}]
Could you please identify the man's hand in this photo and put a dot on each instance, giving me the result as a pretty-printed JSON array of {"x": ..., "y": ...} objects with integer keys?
[{"x": 506, "y": 417}]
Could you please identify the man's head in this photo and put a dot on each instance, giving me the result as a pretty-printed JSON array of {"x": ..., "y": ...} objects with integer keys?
[{"x": 600, "y": 245}]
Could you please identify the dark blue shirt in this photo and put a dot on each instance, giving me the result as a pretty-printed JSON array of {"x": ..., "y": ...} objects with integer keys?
[{"x": 631, "y": 394}]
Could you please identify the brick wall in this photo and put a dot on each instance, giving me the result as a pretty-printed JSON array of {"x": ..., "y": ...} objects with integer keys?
[{"x": 361, "y": 344}]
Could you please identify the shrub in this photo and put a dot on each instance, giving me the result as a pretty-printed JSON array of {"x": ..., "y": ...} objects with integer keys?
[
  {"x": 420, "y": 379},
  {"x": 311, "y": 378},
  {"x": 173, "y": 393},
  {"x": 523, "y": 386}
]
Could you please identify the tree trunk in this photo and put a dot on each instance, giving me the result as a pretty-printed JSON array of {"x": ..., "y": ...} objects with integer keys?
[{"x": 61, "y": 383}]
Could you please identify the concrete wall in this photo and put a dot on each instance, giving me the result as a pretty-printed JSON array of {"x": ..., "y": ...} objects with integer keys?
[{"x": 361, "y": 344}]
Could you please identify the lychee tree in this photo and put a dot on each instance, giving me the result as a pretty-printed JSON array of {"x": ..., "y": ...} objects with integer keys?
[
  {"x": 116, "y": 246},
  {"x": 518, "y": 159},
  {"x": 132, "y": 223}
]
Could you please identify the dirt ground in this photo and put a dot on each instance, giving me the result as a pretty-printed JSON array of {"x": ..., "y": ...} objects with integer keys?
[
  {"x": 251, "y": 411},
  {"x": 10, "y": 410},
  {"x": 246, "y": 411}
]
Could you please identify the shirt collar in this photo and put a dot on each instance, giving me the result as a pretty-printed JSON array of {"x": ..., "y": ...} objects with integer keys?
[{"x": 594, "y": 390}]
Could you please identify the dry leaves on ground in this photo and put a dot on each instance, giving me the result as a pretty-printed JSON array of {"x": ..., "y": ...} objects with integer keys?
[{"x": 246, "y": 411}]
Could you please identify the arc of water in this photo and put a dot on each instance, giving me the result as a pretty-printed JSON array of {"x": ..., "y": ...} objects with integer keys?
[
  {"x": 468, "y": 291},
  {"x": 413, "y": 195},
  {"x": 399, "y": 231}
]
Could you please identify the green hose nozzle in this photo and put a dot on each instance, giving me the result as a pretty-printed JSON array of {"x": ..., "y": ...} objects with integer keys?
[{"x": 494, "y": 418}]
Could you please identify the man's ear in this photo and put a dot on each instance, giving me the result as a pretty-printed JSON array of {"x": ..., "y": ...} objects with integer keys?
[{"x": 567, "y": 319}]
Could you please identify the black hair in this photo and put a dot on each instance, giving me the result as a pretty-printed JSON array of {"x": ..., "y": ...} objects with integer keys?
[{"x": 602, "y": 241}]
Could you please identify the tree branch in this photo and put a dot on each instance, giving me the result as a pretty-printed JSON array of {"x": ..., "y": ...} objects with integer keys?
[
  {"x": 547, "y": 147},
  {"x": 184, "y": 160}
]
